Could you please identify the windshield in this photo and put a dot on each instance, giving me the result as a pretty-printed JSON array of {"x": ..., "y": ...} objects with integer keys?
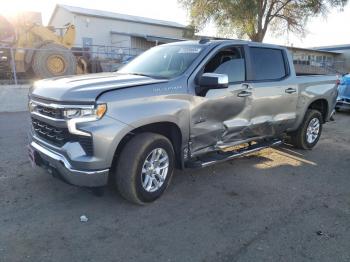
[{"x": 163, "y": 61}]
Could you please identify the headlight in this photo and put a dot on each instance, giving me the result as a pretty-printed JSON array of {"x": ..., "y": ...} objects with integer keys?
[
  {"x": 96, "y": 113},
  {"x": 77, "y": 115}
]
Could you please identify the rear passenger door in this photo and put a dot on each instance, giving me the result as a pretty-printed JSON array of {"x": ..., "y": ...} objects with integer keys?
[{"x": 274, "y": 96}]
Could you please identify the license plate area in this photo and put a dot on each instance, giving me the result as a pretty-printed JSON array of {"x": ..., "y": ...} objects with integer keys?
[{"x": 33, "y": 156}]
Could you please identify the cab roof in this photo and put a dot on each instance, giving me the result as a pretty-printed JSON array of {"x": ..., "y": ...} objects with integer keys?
[{"x": 208, "y": 42}]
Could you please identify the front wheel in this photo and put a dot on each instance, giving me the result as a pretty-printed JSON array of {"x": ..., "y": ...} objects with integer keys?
[
  {"x": 309, "y": 132},
  {"x": 145, "y": 168}
]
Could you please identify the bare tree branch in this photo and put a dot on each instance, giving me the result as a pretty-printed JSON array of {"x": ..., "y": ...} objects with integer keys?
[{"x": 253, "y": 18}]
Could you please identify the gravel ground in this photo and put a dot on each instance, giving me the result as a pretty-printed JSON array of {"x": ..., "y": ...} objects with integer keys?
[{"x": 277, "y": 205}]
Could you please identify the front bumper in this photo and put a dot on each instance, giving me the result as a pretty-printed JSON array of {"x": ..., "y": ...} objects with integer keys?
[
  {"x": 54, "y": 161},
  {"x": 78, "y": 160}
]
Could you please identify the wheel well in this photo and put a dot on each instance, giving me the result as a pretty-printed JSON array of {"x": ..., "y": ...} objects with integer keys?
[
  {"x": 167, "y": 129},
  {"x": 320, "y": 105}
]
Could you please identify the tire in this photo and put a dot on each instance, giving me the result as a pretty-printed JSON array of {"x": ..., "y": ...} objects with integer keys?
[
  {"x": 337, "y": 109},
  {"x": 129, "y": 175},
  {"x": 299, "y": 138},
  {"x": 53, "y": 60}
]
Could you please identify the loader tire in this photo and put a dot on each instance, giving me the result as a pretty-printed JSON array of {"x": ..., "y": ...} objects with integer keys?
[{"x": 53, "y": 60}]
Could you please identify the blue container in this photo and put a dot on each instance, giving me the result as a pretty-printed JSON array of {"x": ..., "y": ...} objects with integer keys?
[
  {"x": 343, "y": 99},
  {"x": 344, "y": 87}
]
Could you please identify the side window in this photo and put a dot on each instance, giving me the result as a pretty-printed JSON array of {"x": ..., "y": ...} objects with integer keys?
[
  {"x": 229, "y": 61},
  {"x": 267, "y": 63}
]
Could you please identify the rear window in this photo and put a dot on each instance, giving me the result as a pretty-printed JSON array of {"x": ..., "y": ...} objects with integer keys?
[{"x": 268, "y": 64}]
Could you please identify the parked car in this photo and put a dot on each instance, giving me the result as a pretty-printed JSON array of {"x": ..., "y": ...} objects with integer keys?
[
  {"x": 185, "y": 105},
  {"x": 343, "y": 99}
]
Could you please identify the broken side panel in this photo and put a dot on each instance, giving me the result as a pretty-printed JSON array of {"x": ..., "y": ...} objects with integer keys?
[{"x": 220, "y": 117}]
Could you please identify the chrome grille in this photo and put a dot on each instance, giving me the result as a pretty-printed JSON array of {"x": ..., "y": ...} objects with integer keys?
[
  {"x": 51, "y": 112},
  {"x": 59, "y": 136},
  {"x": 54, "y": 134}
]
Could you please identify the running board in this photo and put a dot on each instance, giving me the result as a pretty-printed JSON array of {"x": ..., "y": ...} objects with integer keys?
[
  {"x": 225, "y": 146},
  {"x": 219, "y": 157}
]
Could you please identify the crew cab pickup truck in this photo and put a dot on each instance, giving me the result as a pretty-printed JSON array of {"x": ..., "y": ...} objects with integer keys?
[{"x": 180, "y": 105}]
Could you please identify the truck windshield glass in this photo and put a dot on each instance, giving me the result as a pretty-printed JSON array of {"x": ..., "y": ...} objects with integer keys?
[{"x": 163, "y": 61}]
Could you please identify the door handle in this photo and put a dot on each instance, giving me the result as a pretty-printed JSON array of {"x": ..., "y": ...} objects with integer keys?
[
  {"x": 290, "y": 90},
  {"x": 244, "y": 93}
]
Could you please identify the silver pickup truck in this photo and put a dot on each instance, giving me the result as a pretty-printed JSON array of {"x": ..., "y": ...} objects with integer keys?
[{"x": 186, "y": 104}]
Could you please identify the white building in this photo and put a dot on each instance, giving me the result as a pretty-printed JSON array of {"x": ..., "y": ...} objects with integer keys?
[{"x": 108, "y": 32}]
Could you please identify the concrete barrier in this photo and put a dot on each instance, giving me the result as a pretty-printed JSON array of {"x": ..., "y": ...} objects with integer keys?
[{"x": 13, "y": 98}]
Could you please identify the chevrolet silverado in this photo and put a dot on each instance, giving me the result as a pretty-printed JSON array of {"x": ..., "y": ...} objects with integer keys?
[{"x": 180, "y": 105}]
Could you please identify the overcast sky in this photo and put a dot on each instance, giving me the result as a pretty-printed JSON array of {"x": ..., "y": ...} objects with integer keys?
[{"x": 331, "y": 31}]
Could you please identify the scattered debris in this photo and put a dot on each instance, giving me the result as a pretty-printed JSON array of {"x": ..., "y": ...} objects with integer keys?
[
  {"x": 84, "y": 219},
  {"x": 326, "y": 235},
  {"x": 320, "y": 233}
]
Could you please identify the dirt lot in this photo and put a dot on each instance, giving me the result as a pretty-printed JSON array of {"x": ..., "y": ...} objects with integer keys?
[{"x": 276, "y": 205}]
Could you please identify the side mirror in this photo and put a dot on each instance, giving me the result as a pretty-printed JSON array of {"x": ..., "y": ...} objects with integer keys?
[{"x": 213, "y": 81}]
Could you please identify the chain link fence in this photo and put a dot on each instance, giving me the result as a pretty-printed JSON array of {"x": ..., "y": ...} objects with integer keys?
[
  {"x": 20, "y": 65},
  {"x": 320, "y": 68}
]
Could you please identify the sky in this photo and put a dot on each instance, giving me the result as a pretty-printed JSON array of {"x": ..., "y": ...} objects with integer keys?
[{"x": 333, "y": 30}]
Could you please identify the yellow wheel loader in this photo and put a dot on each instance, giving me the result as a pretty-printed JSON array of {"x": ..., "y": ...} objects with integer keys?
[{"x": 39, "y": 50}]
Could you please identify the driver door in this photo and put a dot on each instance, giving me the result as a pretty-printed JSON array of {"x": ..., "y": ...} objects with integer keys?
[{"x": 222, "y": 116}]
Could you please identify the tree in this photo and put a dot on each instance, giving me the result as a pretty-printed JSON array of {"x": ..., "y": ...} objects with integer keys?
[{"x": 252, "y": 18}]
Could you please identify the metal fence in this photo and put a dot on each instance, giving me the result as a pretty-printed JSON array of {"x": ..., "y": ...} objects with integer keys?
[
  {"x": 102, "y": 58},
  {"x": 314, "y": 67},
  {"x": 15, "y": 63}
]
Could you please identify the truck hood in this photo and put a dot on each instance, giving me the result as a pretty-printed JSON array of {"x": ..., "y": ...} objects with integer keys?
[{"x": 86, "y": 88}]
